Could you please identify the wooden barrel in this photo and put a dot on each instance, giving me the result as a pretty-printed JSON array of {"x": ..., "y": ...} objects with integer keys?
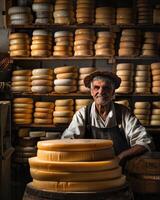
[
  {"x": 144, "y": 173},
  {"x": 122, "y": 193}
]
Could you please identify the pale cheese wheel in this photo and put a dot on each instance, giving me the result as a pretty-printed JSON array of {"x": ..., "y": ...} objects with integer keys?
[
  {"x": 63, "y": 113},
  {"x": 155, "y": 65},
  {"x": 126, "y": 78},
  {"x": 41, "y": 89},
  {"x": 63, "y": 33},
  {"x": 63, "y": 108},
  {"x": 156, "y": 83},
  {"x": 156, "y": 78},
  {"x": 155, "y": 89},
  {"x": 65, "y": 69},
  {"x": 79, "y": 186},
  {"x": 67, "y": 76},
  {"x": 42, "y": 115},
  {"x": 64, "y": 102},
  {"x": 142, "y": 84},
  {"x": 124, "y": 72},
  {"x": 142, "y": 73},
  {"x": 40, "y": 32},
  {"x": 41, "y": 83},
  {"x": 34, "y": 134},
  {"x": 155, "y": 117},
  {"x": 124, "y": 90},
  {"x": 65, "y": 89},
  {"x": 142, "y": 78},
  {"x": 156, "y": 111},
  {"x": 156, "y": 104},
  {"x": 62, "y": 120},
  {"x": 142, "y": 90},
  {"x": 143, "y": 67},
  {"x": 126, "y": 84},
  {"x": 44, "y": 77},
  {"x": 21, "y": 78},
  {"x": 155, "y": 122},
  {"x": 64, "y": 82},
  {"x": 22, "y": 73},
  {"x": 81, "y": 176},
  {"x": 155, "y": 72},
  {"x": 45, "y": 104},
  {"x": 124, "y": 66},
  {"x": 76, "y": 156},
  {"x": 142, "y": 105}
]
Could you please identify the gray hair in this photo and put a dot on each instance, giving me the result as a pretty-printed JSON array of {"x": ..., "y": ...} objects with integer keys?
[{"x": 103, "y": 78}]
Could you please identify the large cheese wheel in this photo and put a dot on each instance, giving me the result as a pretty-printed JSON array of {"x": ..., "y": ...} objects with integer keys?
[
  {"x": 41, "y": 89},
  {"x": 65, "y": 69},
  {"x": 39, "y": 72},
  {"x": 75, "y": 145},
  {"x": 40, "y": 77},
  {"x": 63, "y": 113},
  {"x": 76, "y": 156},
  {"x": 42, "y": 115},
  {"x": 23, "y": 105},
  {"x": 22, "y": 110},
  {"x": 42, "y": 83},
  {"x": 22, "y": 121},
  {"x": 142, "y": 105},
  {"x": 67, "y": 76},
  {"x": 43, "y": 121},
  {"x": 79, "y": 186},
  {"x": 20, "y": 83},
  {"x": 43, "y": 110},
  {"x": 19, "y": 47},
  {"x": 64, "y": 82},
  {"x": 64, "y": 102},
  {"x": 63, "y": 108},
  {"x": 65, "y": 89},
  {"x": 21, "y": 88},
  {"x": 23, "y": 100},
  {"x": 18, "y": 35},
  {"x": 21, "y": 78},
  {"x": 125, "y": 66},
  {"x": 43, "y": 104},
  {"x": 80, "y": 176},
  {"x": 22, "y": 115}
]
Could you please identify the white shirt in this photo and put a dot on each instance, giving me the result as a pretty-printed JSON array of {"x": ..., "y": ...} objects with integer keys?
[{"x": 135, "y": 133}]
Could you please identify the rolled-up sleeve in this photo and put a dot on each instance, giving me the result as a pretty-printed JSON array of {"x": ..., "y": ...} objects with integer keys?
[
  {"x": 76, "y": 129},
  {"x": 136, "y": 134}
]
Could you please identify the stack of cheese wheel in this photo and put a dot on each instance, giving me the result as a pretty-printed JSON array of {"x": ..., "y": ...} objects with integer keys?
[
  {"x": 105, "y": 44},
  {"x": 105, "y": 15},
  {"x": 150, "y": 47},
  {"x": 124, "y": 16},
  {"x": 124, "y": 102},
  {"x": 142, "y": 112},
  {"x": 22, "y": 110},
  {"x": 63, "y": 111},
  {"x": 156, "y": 15},
  {"x": 21, "y": 81},
  {"x": 20, "y": 15},
  {"x": 155, "y": 71},
  {"x": 142, "y": 79},
  {"x": 75, "y": 166},
  {"x": 63, "y": 12},
  {"x": 155, "y": 114},
  {"x": 43, "y": 10},
  {"x": 83, "y": 72},
  {"x": 79, "y": 103},
  {"x": 83, "y": 44},
  {"x": 41, "y": 43},
  {"x": 43, "y": 113},
  {"x": 19, "y": 44},
  {"x": 125, "y": 72},
  {"x": 145, "y": 15},
  {"x": 85, "y": 11},
  {"x": 63, "y": 43},
  {"x": 42, "y": 80},
  {"x": 129, "y": 43},
  {"x": 65, "y": 81}
]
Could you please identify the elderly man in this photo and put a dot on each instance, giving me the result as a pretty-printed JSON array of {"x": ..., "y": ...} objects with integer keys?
[{"x": 104, "y": 119}]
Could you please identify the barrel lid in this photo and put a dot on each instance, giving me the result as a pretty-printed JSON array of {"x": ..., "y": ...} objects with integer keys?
[{"x": 75, "y": 144}]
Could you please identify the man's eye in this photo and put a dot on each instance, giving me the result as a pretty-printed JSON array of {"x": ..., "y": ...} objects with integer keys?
[{"x": 96, "y": 87}]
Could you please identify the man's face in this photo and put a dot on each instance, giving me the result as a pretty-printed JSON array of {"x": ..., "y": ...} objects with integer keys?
[{"x": 102, "y": 92}]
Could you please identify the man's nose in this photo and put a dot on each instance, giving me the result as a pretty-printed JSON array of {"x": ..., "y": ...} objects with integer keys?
[{"x": 101, "y": 90}]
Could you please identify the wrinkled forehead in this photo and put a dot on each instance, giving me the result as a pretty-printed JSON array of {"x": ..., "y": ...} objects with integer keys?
[{"x": 102, "y": 79}]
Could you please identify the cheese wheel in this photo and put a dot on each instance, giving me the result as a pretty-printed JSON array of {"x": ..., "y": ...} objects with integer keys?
[
  {"x": 65, "y": 69},
  {"x": 20, "y": 83},
  {"x": 40, "y": 47},
  {"x": 155, "y": 89},
  {"x": 142, "y": 105},
  {"x": 21, "y": 78},
  {"x": 156, "y": 111},
  {"x": 64, "y": 102},
  {"x": 41, "y": 89},
  {"x": 41, "y": 83},
  {"x": 63, "y": 48},
  {"x": 23, "y": 116},
  {"x": 18, "y": 35},
  {"x": 155, "y": 72},
  {"x": 44, "y": 77},
  {"x": 34, "y": 134},
  {"x": 40, "y": 53},
  {"x": 124, "y": 90},
  {"x": 19, "y": 41},
  {"x": 22, "y": 121},
  {"x": 79, "y": 186},
  {"x": 142, "y": 90},
  {"x": 142, "y": 78},
  {"x": 156, "y": 104},
  {"x": 19, "y": 47},
  {"x": 22, "y": 110},
  {"x": 124, "y": 72},
  {"x": 143, "y": 67},
  {"x": 22, "y": 73},
  {"x": 82, "y": 101},
  {"x": 23, "y": 100},
  {"x": 43, "y": 121},
  {"x": 155, "y": 117},
  {"x": 44, "y": 104},
  {"x": 62, "y": 33},
  {"x": 155, "y": 66},
  {"x": 142, "y": 84},
  {"x": 65, "y": 89},
  {"x": 20, "y": 53},
  {"x": 62, "y": 53},
  {"x": 77, "y": 156},
  {"x": 69, "y": 176},
  {"x": 23, "y": 105},
  {"x": 124, "y": 66},
  {"x": 65, "y": 82},
  {"x": 156, "y": 83},
  {"x": 21, "y": 88},
  {"x": 63, "y": 108},
  {"x": 154, "y": 122},
  {"x": 67, "y": 76},
  {"x": 83, "y": 53},
  {"x": 127, "y": 52},
  {"x": 75, "y": 145},
  {"x": 63, "y": 113},
  {"x": 62, "y": 120},
  {"x": 42, "y": 115}
]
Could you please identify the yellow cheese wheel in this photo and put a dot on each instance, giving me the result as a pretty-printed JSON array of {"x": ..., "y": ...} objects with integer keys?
[
  {"x": 43, "y": 121},
  {"x": 40, "y": 77},
  {"x": 22, "y": 110},
  {"x": 124, "y": 66},
  {"x": 21, "y": 78},
  {"x": 44, "y": 46},
  {"x": 65, "y": 69},
  {"x": 63, "y": 113},
  {"x": 156, "y": 104},
  {"x": 64, "y": 102},
  {"x": 63, "y": 108},
  {"x": 19, "y": 47},
  {"x": 65, "y": 89},
  {"x": 18, "y": 35},
  {"x": 40, "y": 53},
  {"x": 43, "y": 110},
  {"x": 41, "y": 89},
  {"x": 80, "y": 176},
  {"x": 23, "y": 105},
  {"x": 139, "y": 111},
  {"x": 23, "y": 116},
  {"x": 42, "y": 115},
  {"x": 67, "y": 76},
  {"x": 43, "y": 104},
  {"x": 142, "y": 90},
  {"x": 22, "y": 121},
  {"x": 20, "y": 53},
  {"x": 76, "y": 156},
  {"x": 20, "y": 83},
  {"x": 142, "y": 105},
  {"x": 155, "y": 66},
  {"x": 23, "y": 100},
  {"x": 21, "y": 88},
  {"x": 79, "y": 186},
  {"x": 42, "y": 83}
]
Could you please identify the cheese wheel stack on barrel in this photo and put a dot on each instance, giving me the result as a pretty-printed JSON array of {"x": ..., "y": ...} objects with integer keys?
[
  {"x": 79, "y": 103},
  {"x": 85, "y": 11},
  {"x": 42, "y": 80},
  {"x": 19, "y": 44},
  {"x": 155, "y": 71},
  {"x": 22, "y": 110},
  {"x": 124, "y": 16},
  {"x": 105, "y": 16},
  {"x": 83, "y": 72},
  {"x": 63, "y": 12},
  {"x": 21, "y": 81},
  {"x": 63, "y": 43},
  {"x": 41, "y": 43},
  {"x": 142, "y": 79},
  {"x": 43, "y": 11},
  {"x": 105, "y": 44},
  {"x": 150, "y": 47},
  {"x": 84, "y": 42},
  {"x": 63, "y": 111},
  {"x": 145, "y": 13},
  {"x": 20, "y": 15},
  {"x": 43, "y": 113},
  {"x": 75, "y": 166},
  {"x": 65, "y": 81},
  {"x": 155, "y": 116},
  {"x": 156, "y": 14},
  {"x": 129, "y": 43},
  {"x": 126, "y": 73},
  {"x": 142, "y": 112}
]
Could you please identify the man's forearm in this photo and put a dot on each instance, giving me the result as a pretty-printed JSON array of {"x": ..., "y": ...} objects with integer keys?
[{"x": 133, "y": 151}]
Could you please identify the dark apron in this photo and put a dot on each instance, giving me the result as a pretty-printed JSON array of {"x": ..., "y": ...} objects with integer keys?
[{"x": 116, "y": 134}]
